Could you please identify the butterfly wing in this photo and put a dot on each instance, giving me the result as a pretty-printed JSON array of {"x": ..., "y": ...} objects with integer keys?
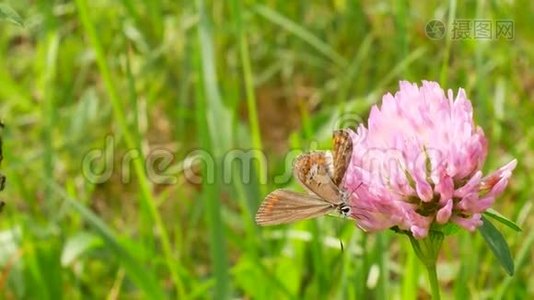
[
  {"x": 342, "y": 154},
  {"x": 313, "y": 170},
  {"x": 285, "y": 206}
]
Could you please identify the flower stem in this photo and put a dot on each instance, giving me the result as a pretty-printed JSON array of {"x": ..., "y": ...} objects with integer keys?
[
  {"x": 427, "y": 251},
  {"x": 433, "y": 278}
]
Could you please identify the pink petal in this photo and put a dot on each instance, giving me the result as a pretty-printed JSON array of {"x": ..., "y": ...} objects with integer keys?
[
  {"x": 470, "y": 223},
  {"x": 483, "y": 204},
  {"x": 470, "y": 187},
  {"x": 419, "y": 232},
  {"x": 445, "y": 188},
  {"x": 503, "y": 172},
  {"x": 444, "y": 213},
  {"x": 468, "y": 202},
  {"x": 424, "y": 190}
]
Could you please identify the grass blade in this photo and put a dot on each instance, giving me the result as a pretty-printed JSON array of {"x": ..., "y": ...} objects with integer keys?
[
  {"x": 251, "y": 97},
  {"x": 7, "y": 13},
  {"x": 302, "y": 33},
  {"x": 215, "y": 122},
  {"x": 444, "y": 72},
  {"x": 147, "y": 200},
  {"x": 137, "y": 272}
]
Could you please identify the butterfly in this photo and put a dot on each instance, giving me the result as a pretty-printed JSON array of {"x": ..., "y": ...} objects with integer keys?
[{"x": 322, "y": 174}]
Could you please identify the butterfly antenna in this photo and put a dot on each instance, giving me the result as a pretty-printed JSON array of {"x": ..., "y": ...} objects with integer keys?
[{"x": 354, "y": 190}]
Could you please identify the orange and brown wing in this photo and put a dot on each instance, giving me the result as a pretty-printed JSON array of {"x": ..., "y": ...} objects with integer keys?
[
  {"x": 314, "y": 171},
  {"x": 342, "y": 152},
  {"x": 284, "y": 206}
]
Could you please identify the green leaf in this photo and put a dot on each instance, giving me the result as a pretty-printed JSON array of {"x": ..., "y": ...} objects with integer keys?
[
  {"x": 7, "y": 13},
  {"x": 498, "y": 245},
  {"x": 502, "y": 219}
]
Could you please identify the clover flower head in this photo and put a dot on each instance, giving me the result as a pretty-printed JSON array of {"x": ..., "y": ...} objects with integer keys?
[{"x": 419, "y": 161}]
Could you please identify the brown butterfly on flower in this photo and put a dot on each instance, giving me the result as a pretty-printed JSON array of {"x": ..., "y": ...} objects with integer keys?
[{"x": 321, "y": 173}]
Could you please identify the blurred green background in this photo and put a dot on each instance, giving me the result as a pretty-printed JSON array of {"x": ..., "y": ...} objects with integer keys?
[{"x": 200, "y": 78}]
